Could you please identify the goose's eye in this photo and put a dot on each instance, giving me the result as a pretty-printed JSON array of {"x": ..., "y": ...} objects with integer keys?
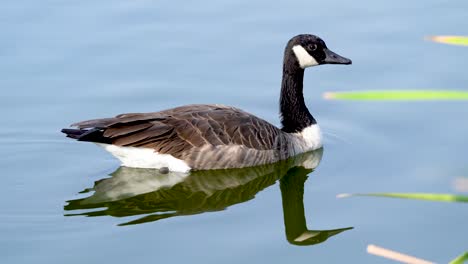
[{"x": 313, "y": 47}]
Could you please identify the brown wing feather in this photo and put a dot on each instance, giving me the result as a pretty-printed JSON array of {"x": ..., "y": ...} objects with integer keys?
[
  {"x": 116, "y": 131},
  {"x": 175, "y": 131},
  {"x": 153, "y": 133}
]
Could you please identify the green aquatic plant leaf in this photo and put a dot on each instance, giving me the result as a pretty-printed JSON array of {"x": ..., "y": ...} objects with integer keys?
[
  {"x": 460, "y": 259},
  {"x": 398, "y": 95},
  {"x": 417, "y": 196},
  {"x": 451, "y": 40}
]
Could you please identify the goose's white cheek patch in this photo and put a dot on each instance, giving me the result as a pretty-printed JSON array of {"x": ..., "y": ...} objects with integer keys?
[{"x": 304, "y": 58}]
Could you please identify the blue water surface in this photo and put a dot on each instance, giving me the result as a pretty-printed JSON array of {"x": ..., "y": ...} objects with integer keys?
[{"x": 66, "y": 61}]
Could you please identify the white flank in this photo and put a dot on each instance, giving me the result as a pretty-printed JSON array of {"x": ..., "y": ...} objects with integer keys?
[
  {"x": 310, "y": 138},
  {"x": 145, "y": 158},
  {"x": 304, "y": 58}
]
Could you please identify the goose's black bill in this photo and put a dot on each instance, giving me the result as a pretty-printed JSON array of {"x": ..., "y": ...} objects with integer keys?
[{"x": 333, "y": 58}]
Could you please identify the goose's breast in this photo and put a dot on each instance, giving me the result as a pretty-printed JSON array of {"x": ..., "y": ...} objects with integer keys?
[{"x": 310, "y": 138}]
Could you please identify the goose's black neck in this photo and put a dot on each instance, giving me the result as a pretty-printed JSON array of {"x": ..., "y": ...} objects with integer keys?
[{"x": 294, "y": 114}]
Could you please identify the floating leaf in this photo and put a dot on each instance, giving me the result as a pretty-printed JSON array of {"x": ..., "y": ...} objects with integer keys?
[
  {"x": 398, "y": 95},
  {"x": 460, "y": 259},
  {"x": 417, "y": 196},
  {"x": 451, "y": 40},
  {"x": 394, "y": 255}
]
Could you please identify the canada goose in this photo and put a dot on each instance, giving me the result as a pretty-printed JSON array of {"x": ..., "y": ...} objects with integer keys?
[{"x": 201, "y": 137}]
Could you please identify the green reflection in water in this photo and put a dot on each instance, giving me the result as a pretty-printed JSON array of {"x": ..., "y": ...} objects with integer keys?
[
  {"x": 135, "y": 192},
  {"x": 292, "y": 193}
]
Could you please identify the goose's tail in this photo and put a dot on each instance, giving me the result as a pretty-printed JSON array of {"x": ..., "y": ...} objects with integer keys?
[
  {"x": 74, "y": 133},
  {"x": 91, "y": 135}
]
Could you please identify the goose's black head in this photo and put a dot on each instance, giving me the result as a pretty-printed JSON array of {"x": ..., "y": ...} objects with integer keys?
[{"x": 310, "y": 50}]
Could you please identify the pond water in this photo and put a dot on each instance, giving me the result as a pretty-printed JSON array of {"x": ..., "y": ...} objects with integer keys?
[{"x": 63, "y": 62}]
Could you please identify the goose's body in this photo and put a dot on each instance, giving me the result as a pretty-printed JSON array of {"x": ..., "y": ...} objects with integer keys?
[
  {"x": 196, "y": 136},
  {"x": 204, "y": 137}
]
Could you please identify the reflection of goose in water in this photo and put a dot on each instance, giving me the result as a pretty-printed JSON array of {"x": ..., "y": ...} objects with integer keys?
[
  {"x": 292, "y": 192},
  {"x": 131, "y": 192}
]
